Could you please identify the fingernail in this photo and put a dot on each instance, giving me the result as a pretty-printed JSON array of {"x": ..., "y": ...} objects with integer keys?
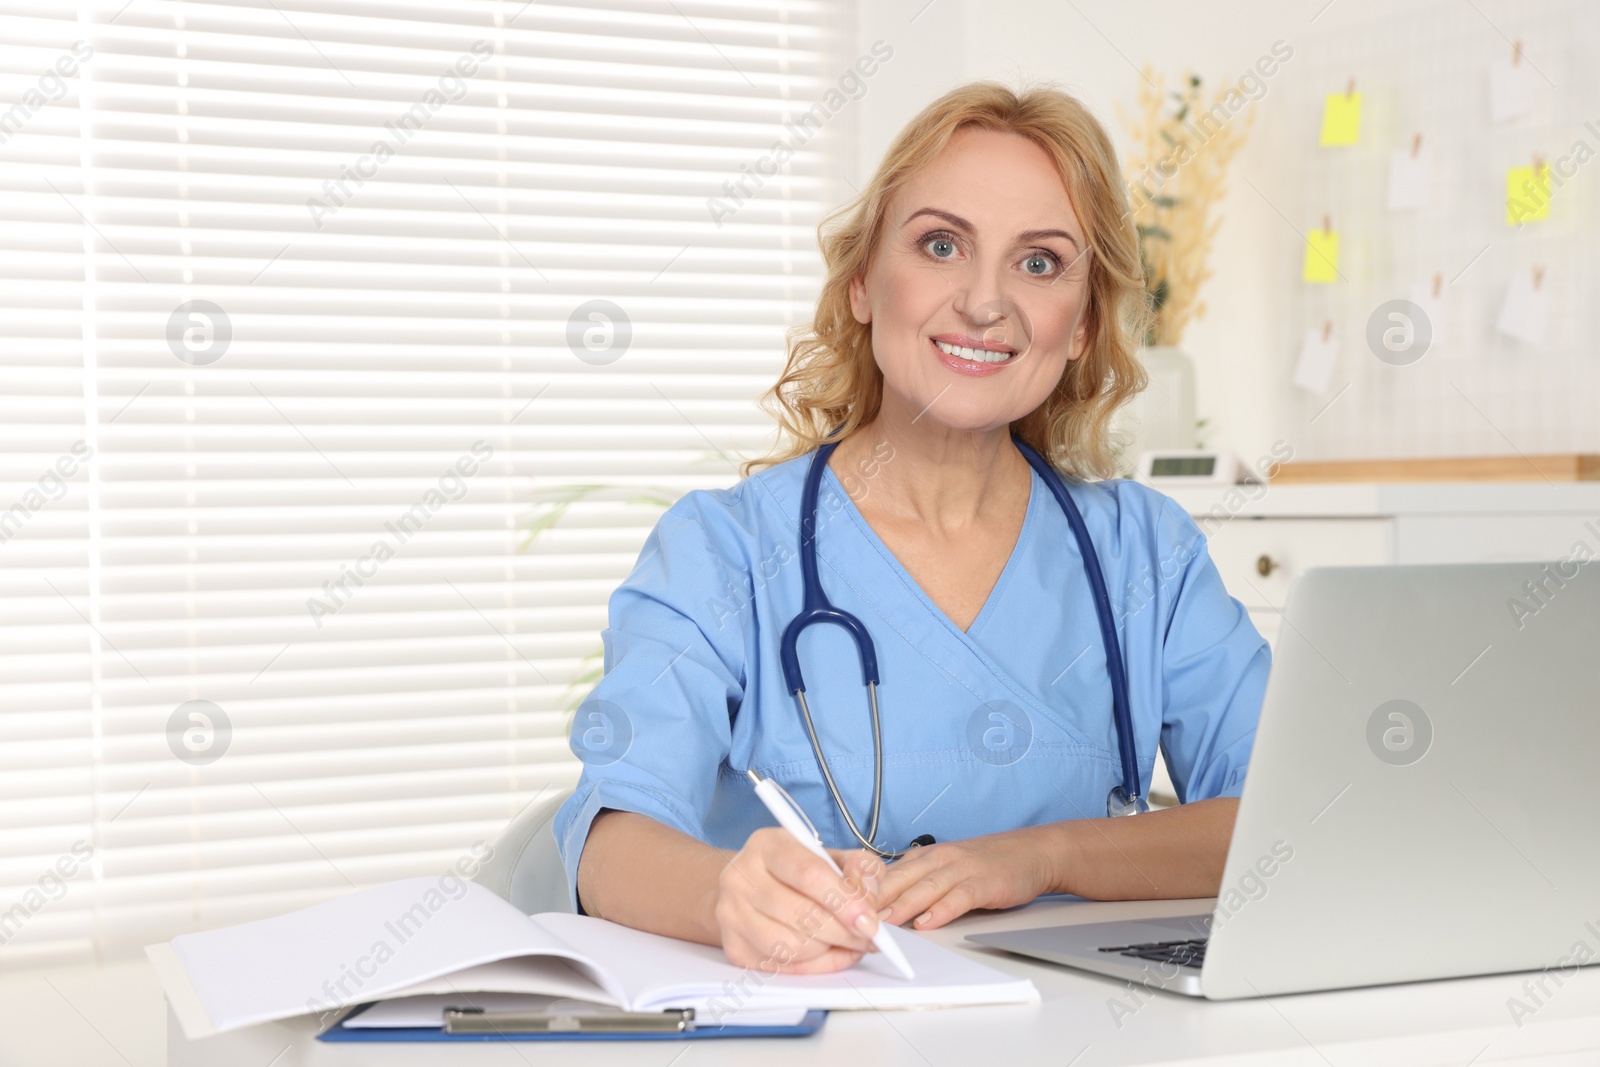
[
  {"x": 924, "y": 917},
  {"x": 865, "y": 925},
  {"x": 883, "y": 916}
]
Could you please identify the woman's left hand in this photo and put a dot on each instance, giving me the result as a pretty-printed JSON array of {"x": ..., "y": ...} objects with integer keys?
[{"x": 936, "y": 883}]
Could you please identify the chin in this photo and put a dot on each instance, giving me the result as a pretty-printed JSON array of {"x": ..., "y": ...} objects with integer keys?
[{"x": 970, "y": 418}]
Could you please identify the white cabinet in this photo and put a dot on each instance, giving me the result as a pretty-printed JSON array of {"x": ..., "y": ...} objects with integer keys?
[
  {"x": 1259, "y": 558},
  {"x": 1496, "y": 538},
  {"x": 1262, "y": 539}
]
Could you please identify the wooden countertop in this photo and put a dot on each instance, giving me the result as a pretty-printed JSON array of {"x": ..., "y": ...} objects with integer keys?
[{"x": 1365, "y": 499}]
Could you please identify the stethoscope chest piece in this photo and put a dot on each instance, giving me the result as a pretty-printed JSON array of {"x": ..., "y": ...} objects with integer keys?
[{"x": 1117, "y": 803}]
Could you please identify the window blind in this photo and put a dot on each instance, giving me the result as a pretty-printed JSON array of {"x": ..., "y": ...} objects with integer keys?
[{"x": 351, "y": 349}]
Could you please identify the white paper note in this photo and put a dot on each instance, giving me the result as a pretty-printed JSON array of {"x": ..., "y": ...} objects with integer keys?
[
  {"x": 1410, "y": 178},
  {"x": 1510, "y": 89},
  {"x": 1314, "y": 371},
  {"x": 1437, "y": 308},
  {"x": 1525, "y": 314}
]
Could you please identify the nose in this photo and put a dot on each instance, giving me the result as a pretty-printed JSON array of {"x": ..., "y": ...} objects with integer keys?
[
  {"x": 978, "y": 292},
  {"x": 1000, "y": 321},
  {"x": 989, "y": 313}
]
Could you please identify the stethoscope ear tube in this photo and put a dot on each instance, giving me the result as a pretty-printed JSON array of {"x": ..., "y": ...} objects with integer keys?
[
  {"x": 817, "y": 609},
  {"x": 1120, "y": 707}
]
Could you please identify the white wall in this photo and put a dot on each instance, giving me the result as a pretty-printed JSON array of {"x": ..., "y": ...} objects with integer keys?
[{"x": 1244, "y": 346}]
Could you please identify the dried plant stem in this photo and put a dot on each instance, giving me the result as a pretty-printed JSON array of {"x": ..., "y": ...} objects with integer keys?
[{"x": 1176, "y": 171}]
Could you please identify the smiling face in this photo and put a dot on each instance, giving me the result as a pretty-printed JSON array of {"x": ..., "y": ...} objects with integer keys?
[{"x": 977, "y": 288}]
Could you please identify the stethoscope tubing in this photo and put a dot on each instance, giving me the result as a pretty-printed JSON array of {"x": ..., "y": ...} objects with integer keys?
[{"x": 816, "y": 608}]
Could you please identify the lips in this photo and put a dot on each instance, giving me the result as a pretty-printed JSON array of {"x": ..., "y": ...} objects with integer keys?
[
  {"x": 968, "y": 360},
  {"x": 977, "y": 353}
]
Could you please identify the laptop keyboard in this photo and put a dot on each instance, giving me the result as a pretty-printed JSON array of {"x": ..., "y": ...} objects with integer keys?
[{"x": 1190, "y": 953}]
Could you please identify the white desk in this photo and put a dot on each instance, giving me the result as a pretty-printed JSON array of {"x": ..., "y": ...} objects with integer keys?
[{"x": 114, "y": 1020}]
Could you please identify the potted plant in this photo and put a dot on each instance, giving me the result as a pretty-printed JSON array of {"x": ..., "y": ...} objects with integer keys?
[{"x": 1176, "y": 169}]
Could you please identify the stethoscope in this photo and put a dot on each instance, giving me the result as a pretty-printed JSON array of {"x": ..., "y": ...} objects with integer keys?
[{"x": 1124, "y": 799}]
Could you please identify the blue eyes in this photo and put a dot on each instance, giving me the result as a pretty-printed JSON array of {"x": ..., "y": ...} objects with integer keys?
[{"x": 942, "y": 246}]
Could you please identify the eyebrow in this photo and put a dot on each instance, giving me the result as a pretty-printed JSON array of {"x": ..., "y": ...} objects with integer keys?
[{"x": 961, "y": 223}]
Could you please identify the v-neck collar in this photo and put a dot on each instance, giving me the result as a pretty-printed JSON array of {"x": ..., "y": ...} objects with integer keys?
[
  {"x": 956, "y": 653},
  {"x": 1018, "y": 551}
]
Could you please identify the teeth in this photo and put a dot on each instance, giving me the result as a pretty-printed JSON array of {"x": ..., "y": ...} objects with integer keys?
[{"x": 977, "y": 355}]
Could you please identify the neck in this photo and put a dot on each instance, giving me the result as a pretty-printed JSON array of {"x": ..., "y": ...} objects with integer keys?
[{"x": 940, "y": 477}]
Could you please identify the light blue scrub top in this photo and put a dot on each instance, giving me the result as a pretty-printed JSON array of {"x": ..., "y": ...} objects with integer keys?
[{"x": 1005, "y": 725}]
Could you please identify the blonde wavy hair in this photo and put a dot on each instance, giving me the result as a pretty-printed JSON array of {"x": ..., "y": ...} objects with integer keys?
[{"x": 831, "y": 378}]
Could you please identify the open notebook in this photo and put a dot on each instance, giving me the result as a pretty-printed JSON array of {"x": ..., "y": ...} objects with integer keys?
[{"x": 441, "y": 935}]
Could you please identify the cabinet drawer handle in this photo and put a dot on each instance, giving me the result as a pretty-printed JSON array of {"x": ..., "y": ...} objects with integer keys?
[{"x": 1265, "y": 565}]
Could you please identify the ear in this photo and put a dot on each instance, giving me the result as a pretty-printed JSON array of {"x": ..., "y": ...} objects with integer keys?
[
  {"x": 1080, "y": 336},
  {"x": 859, "y": 307}
]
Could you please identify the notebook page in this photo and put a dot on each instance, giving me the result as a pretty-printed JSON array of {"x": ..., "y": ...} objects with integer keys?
[
  {"x": 356, "y": 948},
  {"x": 548, "y": 975},
  {"x": 659, "y": 972}
]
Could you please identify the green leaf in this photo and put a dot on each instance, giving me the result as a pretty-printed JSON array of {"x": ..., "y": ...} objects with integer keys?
[
  {"x": 542, "y": 522},
  {"x": 553, "y": 505},
  {"x": 1155, "y": 232},
  {"x": 559, "y": 500}
]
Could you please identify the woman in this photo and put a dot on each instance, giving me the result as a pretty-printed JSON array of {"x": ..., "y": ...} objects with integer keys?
[{"x": 986, "y": 283}]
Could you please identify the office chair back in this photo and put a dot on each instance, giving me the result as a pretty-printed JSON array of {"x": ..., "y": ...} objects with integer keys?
[{"x": 526, "y": 866}]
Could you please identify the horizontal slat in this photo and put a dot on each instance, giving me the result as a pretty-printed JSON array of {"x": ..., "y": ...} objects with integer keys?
[{"x": 374, "y": 342}]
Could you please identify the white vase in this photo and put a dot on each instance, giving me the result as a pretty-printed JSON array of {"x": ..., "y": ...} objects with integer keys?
[{"x": 1163, "y": 415}]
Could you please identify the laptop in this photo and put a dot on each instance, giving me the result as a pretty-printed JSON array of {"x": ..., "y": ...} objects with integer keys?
[{"x": 1420, "y": 801}]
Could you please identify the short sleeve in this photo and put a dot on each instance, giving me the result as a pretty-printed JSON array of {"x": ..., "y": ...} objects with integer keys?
[
  {"x": 1214, "y": 670},
  {"x": 654, "y": 730}
]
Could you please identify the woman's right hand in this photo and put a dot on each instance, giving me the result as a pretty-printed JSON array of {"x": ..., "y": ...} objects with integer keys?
[{"x": 781, "y": 909}]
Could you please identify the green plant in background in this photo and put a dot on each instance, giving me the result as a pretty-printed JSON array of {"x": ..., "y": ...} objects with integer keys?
[
  {"x": 550, "y": 506},
  {"x": 549, "y": 511}
]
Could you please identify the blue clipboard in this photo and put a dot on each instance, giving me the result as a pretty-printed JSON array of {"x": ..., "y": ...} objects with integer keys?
[{"x": 340, "y": 1033}]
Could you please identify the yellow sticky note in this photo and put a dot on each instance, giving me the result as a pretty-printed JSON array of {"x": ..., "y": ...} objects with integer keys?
[
  {"x": 1322, "y": 256},
  {"x": 1527, "y": 194},
  {"x": 1341, "y": 119}
]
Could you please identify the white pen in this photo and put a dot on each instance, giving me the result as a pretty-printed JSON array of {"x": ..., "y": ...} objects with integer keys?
[{"x": 791, "y": 819}]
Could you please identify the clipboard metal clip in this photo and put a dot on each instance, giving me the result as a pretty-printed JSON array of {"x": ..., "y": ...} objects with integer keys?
[{"x": 478, "y": 1021}]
